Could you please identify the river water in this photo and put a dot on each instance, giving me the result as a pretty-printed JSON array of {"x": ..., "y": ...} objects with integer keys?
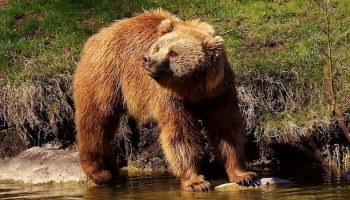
[{"x": 168, "y": 189}]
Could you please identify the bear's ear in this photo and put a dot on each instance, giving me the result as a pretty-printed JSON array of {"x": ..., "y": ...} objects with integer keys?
[
  {"x": 202, "y": 26},
  {"x": 164, "y": 27},
  {"x": 214, "y": 46}
]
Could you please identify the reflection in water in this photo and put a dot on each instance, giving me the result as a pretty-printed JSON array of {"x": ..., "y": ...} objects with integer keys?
[
  {"x": 47, "y": 191},
  {"x": 168, "y": 188}
]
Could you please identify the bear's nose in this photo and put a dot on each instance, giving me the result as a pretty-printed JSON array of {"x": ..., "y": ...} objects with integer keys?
[{"x": 146, "y": 60}]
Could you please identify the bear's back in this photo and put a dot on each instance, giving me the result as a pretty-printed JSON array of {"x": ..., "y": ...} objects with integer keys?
[
  {"x": 126, "y": 41},
  {"x": 115, "y": 55}
]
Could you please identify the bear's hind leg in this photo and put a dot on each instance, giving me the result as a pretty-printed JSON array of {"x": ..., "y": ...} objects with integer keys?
[{"x": 95, "y": 129}]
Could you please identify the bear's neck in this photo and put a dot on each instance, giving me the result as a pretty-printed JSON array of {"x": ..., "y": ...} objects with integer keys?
[{"x": 194, "y": 91}]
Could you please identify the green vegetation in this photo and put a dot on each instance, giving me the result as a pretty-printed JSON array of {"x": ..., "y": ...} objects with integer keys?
[
  {"x": 45, "y": 37},
  {"x": 276, "y": 47}
]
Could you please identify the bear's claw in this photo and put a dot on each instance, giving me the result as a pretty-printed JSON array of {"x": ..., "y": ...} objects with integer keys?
[
  {"x": 202, "y": 186},
  {"x": 247, "y": 179}
]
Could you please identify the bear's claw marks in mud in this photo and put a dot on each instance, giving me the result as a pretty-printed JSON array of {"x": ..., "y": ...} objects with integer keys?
[{"x": 202, "y": 186}]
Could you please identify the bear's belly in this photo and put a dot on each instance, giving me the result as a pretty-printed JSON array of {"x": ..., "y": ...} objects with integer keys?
[
  {"x": 142, "y": 107},
  {"x": 140, "y": 113}
]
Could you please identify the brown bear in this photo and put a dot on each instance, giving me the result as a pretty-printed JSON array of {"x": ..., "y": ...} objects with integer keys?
[{"x": 156, "y": 66}]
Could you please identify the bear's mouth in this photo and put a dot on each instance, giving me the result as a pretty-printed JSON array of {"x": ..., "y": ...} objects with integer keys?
[
  {"x": 157, "y": 75},
  {"x": 157, "y": 70}
]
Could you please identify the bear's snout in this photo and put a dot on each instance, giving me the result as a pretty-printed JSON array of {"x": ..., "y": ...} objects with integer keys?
[
  {"x": 155, "y": 68},
  {"x": 149, "y": 64},
  {"x": 146, "y": 60}
]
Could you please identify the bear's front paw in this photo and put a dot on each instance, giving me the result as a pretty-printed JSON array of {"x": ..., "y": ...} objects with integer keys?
[
  {"x": 101, "y": 177},
  {"x": 245, "y": 179},
  {"x": 196, "y": 185}
]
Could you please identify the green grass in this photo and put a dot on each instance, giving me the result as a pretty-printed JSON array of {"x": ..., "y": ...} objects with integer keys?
[
  {"x": 46, "y": 37},
  {"x": 278, "y": 39}
]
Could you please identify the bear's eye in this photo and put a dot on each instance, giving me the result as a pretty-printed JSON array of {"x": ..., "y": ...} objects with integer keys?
[{"x": 172, "y": 53}]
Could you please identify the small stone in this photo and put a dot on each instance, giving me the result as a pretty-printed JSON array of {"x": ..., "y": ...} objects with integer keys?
[{"x": 257, "y": 182}]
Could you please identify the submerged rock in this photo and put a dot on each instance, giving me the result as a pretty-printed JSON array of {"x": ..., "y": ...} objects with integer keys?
[
  {"x": 262, "y": 181},
  {"x": 42, "y": 165}
]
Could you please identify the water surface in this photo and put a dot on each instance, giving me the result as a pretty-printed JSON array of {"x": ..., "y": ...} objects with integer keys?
[{"x": 168, "y": 188}]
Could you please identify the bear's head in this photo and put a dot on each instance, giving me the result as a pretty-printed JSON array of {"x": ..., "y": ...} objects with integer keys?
[{"x": 185, "y": 53}]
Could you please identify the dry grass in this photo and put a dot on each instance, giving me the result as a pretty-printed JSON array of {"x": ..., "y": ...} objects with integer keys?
[
  {"x": 40, "y": 111},
  {"x": 279, "y": 113}
]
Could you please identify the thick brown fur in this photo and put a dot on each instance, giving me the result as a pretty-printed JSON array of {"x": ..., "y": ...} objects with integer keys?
[{"x": 113, "y": 77}]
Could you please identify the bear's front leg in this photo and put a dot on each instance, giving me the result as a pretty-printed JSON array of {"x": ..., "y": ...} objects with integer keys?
[{"x": 181, "y": 145}]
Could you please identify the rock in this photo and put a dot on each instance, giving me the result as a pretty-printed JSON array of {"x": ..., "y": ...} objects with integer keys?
[
  {"x": 273, "y": 180},
  {"x": 42, "y": 165},
  {"x": 48, "y": 164},
  {"x": 261, "y": 182}
]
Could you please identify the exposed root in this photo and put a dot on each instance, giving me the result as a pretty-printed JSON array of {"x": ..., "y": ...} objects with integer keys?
[{"x": 341, "y": 123}]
